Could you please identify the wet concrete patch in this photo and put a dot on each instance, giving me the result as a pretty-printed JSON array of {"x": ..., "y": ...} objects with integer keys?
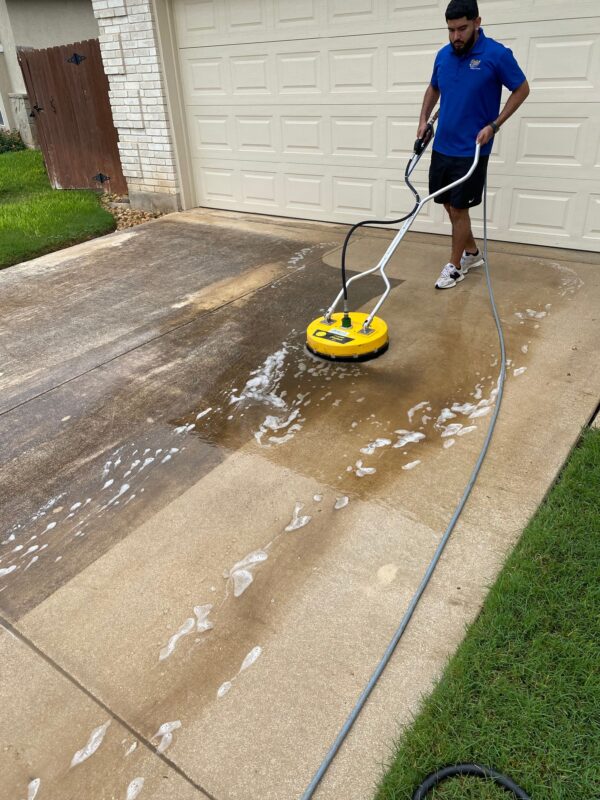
[
  {"x": 337, "y": 423},
  {"x": 87, "y": 462}
]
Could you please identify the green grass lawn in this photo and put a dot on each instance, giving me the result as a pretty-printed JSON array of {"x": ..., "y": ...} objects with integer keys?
[
  {"x": 35, "y": 219},
  {"x": 522, "y": 694}
]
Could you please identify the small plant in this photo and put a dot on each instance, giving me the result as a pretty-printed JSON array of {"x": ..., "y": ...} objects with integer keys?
[{"x": 11, "y": 140}]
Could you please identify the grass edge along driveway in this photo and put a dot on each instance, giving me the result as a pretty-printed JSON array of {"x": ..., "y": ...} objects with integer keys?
[
  {"x": 522, "y": 693},
  {"x": 36, "y": 219}
]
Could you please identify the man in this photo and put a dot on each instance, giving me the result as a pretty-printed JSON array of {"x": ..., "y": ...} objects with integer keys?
[{"x": 468, "y": 75}]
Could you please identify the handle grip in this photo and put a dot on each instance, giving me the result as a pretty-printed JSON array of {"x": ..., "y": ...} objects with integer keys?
[{"x": 422, "y": 143}]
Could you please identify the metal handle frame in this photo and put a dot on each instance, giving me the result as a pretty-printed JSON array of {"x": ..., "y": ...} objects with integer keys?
[{"x": 380, "y": 267}]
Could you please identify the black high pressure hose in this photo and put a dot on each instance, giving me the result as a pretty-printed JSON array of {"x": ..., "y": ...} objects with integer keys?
[
  {"x": 472, "y": 770},
  {"x": 419, "y": 149}
]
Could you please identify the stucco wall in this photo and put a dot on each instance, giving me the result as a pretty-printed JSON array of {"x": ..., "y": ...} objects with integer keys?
[{"x": 46, "y": 23}]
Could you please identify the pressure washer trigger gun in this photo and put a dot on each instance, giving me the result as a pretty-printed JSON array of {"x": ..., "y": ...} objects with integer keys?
[{"x": 422, "y": 143}]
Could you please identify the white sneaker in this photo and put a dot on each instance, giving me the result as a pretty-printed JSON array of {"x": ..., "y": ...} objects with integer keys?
[
  {"x": 449, "y": 277},
  {"x": 469, "y": 261}
]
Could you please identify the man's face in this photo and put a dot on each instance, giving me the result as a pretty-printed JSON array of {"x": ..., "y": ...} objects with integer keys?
[{"x": 462, "y": 33}]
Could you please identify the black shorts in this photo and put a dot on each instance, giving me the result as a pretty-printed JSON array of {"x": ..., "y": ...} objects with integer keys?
[{"x": 447, "y": 169}]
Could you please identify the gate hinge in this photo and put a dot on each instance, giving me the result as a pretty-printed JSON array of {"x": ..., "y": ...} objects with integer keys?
[
  {"x": 76, "y": 59},
  {"x": 101, "y": 177},
  {"x": 36, "y": 108}
]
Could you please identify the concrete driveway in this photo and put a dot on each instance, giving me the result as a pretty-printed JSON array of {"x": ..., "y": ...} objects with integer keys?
[{"x": 208, "y": 538}]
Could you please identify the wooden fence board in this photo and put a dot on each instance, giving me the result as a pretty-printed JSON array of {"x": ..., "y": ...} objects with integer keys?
[{"x": 75, "y": 126}]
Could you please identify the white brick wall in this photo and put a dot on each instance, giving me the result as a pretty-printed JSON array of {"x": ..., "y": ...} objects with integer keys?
[{"x": 137, "y": 95}]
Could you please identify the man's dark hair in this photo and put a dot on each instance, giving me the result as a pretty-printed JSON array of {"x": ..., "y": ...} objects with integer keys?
[{"x": 457, "y": 9}]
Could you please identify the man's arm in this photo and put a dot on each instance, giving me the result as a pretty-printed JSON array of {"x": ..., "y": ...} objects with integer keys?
[
  {"x": 429, "y": 100},
  {"x": 514, "y": 101}
]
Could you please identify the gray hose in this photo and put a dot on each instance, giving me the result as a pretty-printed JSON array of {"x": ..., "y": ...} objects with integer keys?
[{"x": 440, "y": 548}]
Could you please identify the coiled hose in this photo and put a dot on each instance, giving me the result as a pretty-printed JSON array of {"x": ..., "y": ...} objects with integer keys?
[{"x": 472, "y": 770}]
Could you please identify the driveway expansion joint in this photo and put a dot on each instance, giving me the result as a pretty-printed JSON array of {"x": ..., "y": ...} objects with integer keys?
[{"x": 12, "y": 630}]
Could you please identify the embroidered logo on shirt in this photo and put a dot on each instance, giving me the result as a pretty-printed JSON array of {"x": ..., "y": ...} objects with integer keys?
[{"x": 474, "y": 64}]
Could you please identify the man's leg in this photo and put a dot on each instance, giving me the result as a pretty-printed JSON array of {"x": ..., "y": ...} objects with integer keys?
[{"x": 462, "y": 235}]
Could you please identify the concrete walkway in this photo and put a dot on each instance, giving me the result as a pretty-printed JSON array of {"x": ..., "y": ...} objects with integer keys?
[{"x": 197, "y": 573}]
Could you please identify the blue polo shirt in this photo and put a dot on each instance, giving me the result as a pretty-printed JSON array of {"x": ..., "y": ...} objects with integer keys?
[{"x": 470, "y": 87}]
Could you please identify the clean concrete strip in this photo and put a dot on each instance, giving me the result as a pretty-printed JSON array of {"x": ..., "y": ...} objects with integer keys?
[{"x": 50, "y": 717}]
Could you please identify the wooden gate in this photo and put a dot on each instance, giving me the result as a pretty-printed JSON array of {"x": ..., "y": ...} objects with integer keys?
[{"x": 68, "y": 94}]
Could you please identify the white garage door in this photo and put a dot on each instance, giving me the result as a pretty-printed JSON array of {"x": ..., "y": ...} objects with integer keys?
[{"x": 308, "y": 108}]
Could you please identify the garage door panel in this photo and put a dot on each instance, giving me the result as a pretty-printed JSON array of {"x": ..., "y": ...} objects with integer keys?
[
  {"x": 215, "y": 22},
  {"x": 551, "y": 211},
  {"x": 409, "y": 67},
  {"x": 354, "y": 69},
  {"x": 286, "y": 136},
  {"x": 400, "y": 137},
  {"x": 354, "y": 196},
  {"x": 357, "y": 137},
  {"x": 298, "y": 14},
  {"x": 300, "y": 72},
  {"x": 552, "y": 141},
  {"x": 538, "y": 211},
  {"x": 341, "y": 137},
  {"x": 252, "y": 74},
  {"x": 247, "y": 16},
  {"x": 566, "y": 65},
  {"x": 306, "y": 193},
  {"x": 219, "y": 185},
  {"x": 205, "y": 77},
  {"x": 350, "y": 11},
  {"x": 260, "y": 188},
  {"x": 399, "y": 10},
  {"x": 591, "y": 230},
  {"x": 326, "y": 194},
  {"x": 197, "y": 20},
  {"x": 384, "y": 69},
  {"x": 561, "y": 66},
  {"x": 256, "y": 134},
  {"x": 213, "y": 133},
  {"x": 560, "y": 145}
]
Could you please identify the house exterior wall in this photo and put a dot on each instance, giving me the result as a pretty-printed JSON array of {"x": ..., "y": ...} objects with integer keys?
[
  {"x": 8, "y": 120},
  {"x": 47, "y": 23},
  {"x": 130, "y": 53},
  {"x": 12, "y": 85}
]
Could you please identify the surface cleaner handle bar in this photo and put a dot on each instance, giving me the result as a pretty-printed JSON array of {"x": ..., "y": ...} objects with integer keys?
[
  {"x": 396, "y": 241},
  {"x": 400, "y": 235}
]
